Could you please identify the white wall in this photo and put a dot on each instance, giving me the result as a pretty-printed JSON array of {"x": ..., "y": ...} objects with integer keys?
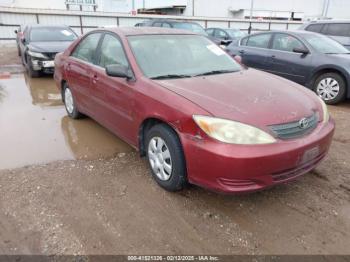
[
  {"x": 210, "y": 8},
  {"x": 310, "y": 8}
]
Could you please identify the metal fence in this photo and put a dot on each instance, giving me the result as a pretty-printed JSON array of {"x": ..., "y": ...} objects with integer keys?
[{"x": 81, "y": 22}]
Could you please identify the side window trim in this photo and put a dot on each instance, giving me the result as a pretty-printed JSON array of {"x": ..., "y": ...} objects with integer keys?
[
  {"x": 94, "y": 58},
  {"x": 277, "y": 50},
  {"x": 98, "y": 53},
  {"x": 268, "y": 45}
]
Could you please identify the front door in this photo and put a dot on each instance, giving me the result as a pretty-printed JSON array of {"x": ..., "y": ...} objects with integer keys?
[
  {"x": 286, "y": 63},
  {"x": 114, "y": 96}
]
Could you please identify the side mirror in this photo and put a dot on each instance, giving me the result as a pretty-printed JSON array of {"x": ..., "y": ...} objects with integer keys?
[
  {"x": 303, "y": 51},
  {"x": 116, "y": 70}
]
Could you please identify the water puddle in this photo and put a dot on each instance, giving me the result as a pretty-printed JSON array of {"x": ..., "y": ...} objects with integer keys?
[{"x": 34, "y": 127}]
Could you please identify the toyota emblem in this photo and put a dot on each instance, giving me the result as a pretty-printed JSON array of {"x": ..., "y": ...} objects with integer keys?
[{"x": 303, "y": 123}]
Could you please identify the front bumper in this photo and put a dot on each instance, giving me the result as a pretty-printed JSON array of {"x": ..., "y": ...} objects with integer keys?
[
  {"x": 236, "y": 168},
  {"x": 45, "y": 65}
]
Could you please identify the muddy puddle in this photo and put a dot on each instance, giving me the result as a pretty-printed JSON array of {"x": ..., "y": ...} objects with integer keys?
[{"x": 34, "y": 127}]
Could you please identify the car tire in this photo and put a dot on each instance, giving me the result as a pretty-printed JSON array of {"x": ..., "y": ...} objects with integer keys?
[
  {"x": 331, "y": 87},
  {"x": 31, "y": 72},
  {"x": 166, "y": 158},
  {"x": 69, "y": 103}
]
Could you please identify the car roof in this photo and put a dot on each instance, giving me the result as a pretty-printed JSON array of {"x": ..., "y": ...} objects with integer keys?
[
  {"x": 173, "y": 21},
  {"x": 47, "y": 26},
  {"x": 291, "y": 32},
  {"x": 129, "y": 31},
  {"x": 222, "y": 28}
]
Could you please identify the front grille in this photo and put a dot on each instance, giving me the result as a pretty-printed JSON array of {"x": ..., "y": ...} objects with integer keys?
[
  {"x": 295, "y": 129},
  {"x": 51, "y": 56}
]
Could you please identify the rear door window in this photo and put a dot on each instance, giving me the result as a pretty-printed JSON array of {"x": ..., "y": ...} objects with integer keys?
[
  {"x": 315, "y": 28},
  {"x": 221, "y": 34},
  {"x": 261, "y": 41},
  {"x": 337, "y": 29},
  {"x": 244, "y": 41},
  {"x": 157, "y": 24},
  {"x": 210, "y": 31},
  {"x": 86, "y": 49}
]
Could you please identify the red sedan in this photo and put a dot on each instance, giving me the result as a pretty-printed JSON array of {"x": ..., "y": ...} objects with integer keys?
[{"x": 192, "y": 110}]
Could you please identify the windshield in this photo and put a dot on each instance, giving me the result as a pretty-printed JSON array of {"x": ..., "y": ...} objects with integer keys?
[
  {"x": 180, "y": 55},
  {"x": 235, "y": 33},
  {"x": 192, "y": 27},
  {"x": 325, "y": 45},
  {"x": 52, "y": 34}
]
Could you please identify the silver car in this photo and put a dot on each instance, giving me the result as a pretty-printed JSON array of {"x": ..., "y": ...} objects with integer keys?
[{"x": 339, "y": 30}]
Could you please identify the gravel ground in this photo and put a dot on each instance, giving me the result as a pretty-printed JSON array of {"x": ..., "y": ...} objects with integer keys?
[{"x": 111, "y": 205}]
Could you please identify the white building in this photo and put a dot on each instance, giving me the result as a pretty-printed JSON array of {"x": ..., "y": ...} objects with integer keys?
[{"x": 264, "y": 9}]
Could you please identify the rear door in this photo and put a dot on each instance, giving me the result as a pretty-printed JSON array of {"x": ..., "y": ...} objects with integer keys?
[
  {"x": 254, "y": 50},
  {"x": 285, "y": 62},
  {"x": 113, "y": 96},
  {"x": 339, "y": 32},
  {"x": 78, "y": 70}
]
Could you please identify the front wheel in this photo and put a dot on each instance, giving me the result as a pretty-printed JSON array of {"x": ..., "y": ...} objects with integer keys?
[
  {"x": 166, "y": 157},
  {"x": 331, "y": 87}
]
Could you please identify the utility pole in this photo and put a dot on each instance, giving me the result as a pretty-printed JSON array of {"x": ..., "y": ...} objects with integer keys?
[
  {"x": 327, "y": 7},
  {"x": 133, "y": 5},
  {"x": 251, "y": 16},
  {"x": 192, "y": 7},
  {"x": 144, "y": 4}
]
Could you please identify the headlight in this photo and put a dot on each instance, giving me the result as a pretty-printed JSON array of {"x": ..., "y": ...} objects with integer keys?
[
  {"x": 232, "y": 132},
  {"x": 37, "y": 55},
  {"x": 325, "y": 112}
]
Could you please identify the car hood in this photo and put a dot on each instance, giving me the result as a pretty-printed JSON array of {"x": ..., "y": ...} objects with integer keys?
[
  {"x": 249, "y": 96},
  {"x": 49, "y": 47}
]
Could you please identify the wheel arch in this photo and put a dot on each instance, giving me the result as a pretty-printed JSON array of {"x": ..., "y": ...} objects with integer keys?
[
  {"x": 146, "y": 125},
  {"x": 62, "y": 83},
  {"x": 323, "y": 70}
]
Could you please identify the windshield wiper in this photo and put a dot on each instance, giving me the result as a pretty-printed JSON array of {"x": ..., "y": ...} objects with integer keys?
[
  {"x": 216, "y": 72},
  {"x": 170, "y": 76}
]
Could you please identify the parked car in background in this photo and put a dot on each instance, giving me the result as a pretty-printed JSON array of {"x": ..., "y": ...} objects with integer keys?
[
  {"x": 196, "y": 114},
  {"x": 40, "y": 43},
  {"x": 225, "y": 35},
  {"x": 177, "y": 24},
  {"x": 19, "y": 37},
  {"x": 336, "y": 29},
  {"x": 313, "y": 60}
]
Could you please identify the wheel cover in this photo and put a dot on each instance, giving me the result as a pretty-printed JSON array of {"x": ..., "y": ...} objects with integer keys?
[
  {"x": 328, "y": 88},
  {"x": 68, "y": 100},
  {"x": 159, "y": 158}
]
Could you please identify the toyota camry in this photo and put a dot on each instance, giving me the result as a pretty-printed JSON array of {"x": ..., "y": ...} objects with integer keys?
[{"x": 196, "y": 114}]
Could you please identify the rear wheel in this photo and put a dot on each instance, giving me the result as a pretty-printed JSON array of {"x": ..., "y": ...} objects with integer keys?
[
  {"x": 166, "y": 157},
  {"x": 331, "y": 87},
  {"x": 69, "y": 103}
]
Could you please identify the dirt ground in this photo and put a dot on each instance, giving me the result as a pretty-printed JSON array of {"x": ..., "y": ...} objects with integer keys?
[{"x": 71, "y": 187}]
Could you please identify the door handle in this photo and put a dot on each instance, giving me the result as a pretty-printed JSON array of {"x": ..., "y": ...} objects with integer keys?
[{"x": 241, "y": 52}]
